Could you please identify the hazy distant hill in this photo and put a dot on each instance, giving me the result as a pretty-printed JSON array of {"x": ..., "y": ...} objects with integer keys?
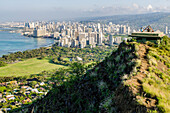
[{"x": 156, "y": 20}]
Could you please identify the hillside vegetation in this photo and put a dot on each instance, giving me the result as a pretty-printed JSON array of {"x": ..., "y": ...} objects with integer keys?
[
  {"x": 27, "y": 67},
  {"x": 134, "y": 78}
]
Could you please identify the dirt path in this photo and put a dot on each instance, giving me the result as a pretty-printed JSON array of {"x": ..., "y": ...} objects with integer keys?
[{"x": 136, "y": 81}]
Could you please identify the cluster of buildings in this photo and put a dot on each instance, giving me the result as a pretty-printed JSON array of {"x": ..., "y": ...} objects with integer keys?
[
  {"x": 79, "y": 34},
  {"x": 75, "y": 34},
  {"x": 22, "y": 93}
]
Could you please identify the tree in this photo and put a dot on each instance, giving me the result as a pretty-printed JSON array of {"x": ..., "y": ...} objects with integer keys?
[
  {"x": 2, "y": 64},
  {"x": 2, "y": 88},
  {"x": 78, "y": 69},
  {"x": 33, "y": 83}
]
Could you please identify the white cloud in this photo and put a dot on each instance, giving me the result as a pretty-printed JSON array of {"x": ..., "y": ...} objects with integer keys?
[
  {"x": 149, "y": 7},
  {"x": 118, "y": 10},
  {"x": 135, "y": 5}
]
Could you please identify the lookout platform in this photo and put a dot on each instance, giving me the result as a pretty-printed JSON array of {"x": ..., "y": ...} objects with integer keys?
[{"x": 148, "y": 35}]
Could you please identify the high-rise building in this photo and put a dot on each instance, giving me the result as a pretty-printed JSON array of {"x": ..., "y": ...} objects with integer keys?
[
  {"x": 166, "y": 30},
  {"x": 73, "y": 43},
  {"x": 56, "y": 34},
  {"x": 90, "y": 30},
  {"x": 111, "y": 40},
  {"x": 91, "y": 40},
  {"x": 118, "y": 40},
  {"x": 82, "y": 36},
  {"x": 99, "y": 38},
  {"x": 95, "y": 36},
  {"x": 27, "y": 25},
  {"x": 122, "y": 29},
  {"x": 128, "y": 30},
  {"x": 98, "y": 27},
  {"x": 39, "y": 32},
  {"x": 82, "y": 43},
  {"x": 32, "y": 25},
  {"x": 68, "y": 32},
  {"x": 76, "y": 34}
]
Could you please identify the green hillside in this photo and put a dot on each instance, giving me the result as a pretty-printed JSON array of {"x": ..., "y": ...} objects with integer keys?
[
  {"x": 133, "y": 79},
  {"x": 27, "y": 67}
]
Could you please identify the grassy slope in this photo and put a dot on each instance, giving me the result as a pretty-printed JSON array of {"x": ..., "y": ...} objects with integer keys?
[
  {"x": 151, "y": 84},
  {"x": 94, "y": 91},
  {"x": 135, "y": 78},
  {"x": 158, "y": 78},
  {"x": 27, "y": 67}
]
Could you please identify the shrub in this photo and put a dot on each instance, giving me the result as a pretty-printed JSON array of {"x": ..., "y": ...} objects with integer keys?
[
  {"x": 106, "y": 104},
  {"x": 155, "y": 55},
  {"x": 102, "y": 85},
  {"x": 117, "y": 58},
  {"x": 138, "y": 63},
  {"x": 153, "y": 62},
  {"x": 137, "y": 55},
  {"x": 151, "y": 81},
  {"x": 2, "y": 88},
  {"x": 2, "y": 64},
  {"x": 133, "y": 40},
  {"x": 136, "y": 48},
  {"x": 151, "y": 44},
  {"x": 41, "y": 57},
  {"x": 150, "y": 69},
  {"x": 93, "y": 74},
  {"x": 167, "y": 64},
  {"x": 21, "y": 59},
  {"x": 122, "y": 68}
]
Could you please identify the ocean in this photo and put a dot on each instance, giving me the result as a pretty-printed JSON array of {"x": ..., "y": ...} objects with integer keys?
[{"x": 13, "y": 42}]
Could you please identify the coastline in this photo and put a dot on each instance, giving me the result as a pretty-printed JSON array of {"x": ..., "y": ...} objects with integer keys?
[{"x": 30, "y": 42}]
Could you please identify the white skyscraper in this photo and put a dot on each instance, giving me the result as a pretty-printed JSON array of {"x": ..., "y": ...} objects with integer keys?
[
  {"x": 128, "y": 30},
  {"x": 98, "y": 27},
  {"x": 166, "y": 30}
]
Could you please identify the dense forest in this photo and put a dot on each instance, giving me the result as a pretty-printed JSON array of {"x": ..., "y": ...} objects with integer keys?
[
  {"x": 56, "y": 55},
  {"x": 59, "y": 55}
]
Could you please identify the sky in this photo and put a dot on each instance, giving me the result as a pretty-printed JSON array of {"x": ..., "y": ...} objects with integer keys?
[{"x": 31, "y": 10}]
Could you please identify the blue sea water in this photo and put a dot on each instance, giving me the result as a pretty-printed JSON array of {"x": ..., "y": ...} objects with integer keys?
[{"x": 13, "y": 42}]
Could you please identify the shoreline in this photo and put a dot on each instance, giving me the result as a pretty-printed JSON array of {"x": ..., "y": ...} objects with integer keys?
[{"x": 47, "y": 45}]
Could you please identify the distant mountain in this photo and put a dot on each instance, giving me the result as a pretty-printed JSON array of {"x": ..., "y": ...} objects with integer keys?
[
  {"x": 156, "y": 20},
  {"x": 133, "y": 79}
]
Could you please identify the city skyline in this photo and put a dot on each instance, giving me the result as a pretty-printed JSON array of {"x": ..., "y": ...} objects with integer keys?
[{"x": 22, "y": 10}]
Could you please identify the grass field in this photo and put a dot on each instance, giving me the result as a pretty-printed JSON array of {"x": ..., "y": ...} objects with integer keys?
[{"x": 27, "y": 67}]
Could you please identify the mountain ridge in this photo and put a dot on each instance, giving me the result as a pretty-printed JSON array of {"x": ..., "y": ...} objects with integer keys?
[
  {"x": 120, "y": 83},
  {"x": 157, "y": 20}
]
